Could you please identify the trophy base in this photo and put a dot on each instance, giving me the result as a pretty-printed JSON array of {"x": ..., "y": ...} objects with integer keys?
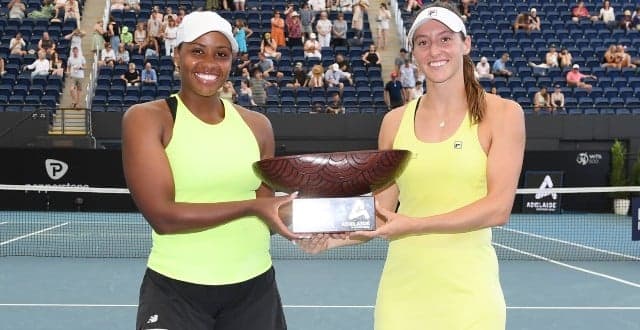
[{"x": 330, "y": 215}]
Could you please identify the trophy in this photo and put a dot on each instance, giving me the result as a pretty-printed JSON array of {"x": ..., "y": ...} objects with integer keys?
[{"x": 334, "y": 188}]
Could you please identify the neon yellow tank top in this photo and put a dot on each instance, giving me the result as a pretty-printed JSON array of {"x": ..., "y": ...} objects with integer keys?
[
  {"x": 210, "y": 164},
  {"x": 440, "y": 281}
]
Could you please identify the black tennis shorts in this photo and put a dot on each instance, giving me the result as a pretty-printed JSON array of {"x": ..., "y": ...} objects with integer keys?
[{"x": 170, "y": 304}]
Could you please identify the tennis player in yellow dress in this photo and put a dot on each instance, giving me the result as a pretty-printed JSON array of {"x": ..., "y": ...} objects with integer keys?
[{"x": 441, "y": 271}]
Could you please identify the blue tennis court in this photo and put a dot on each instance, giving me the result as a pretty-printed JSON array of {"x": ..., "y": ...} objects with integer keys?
[{"x": 564, "y": 271}]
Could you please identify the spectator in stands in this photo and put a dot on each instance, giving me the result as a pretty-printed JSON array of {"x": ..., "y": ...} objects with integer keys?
[
  {"x": 140, "y": 37},
  {"x": 45, "y": 12},
  {"x": 393, "y": 96},
  {"x": 132, "y": 5},
  {"x": 534, "y": 20},
  {"x": 334, "y": 77},
  {"x": 131, "y": 77},
  {"x": 407, "y": 75},
  {"x": 148, "y": 76},
  {"x": 542, "y": 100},
  {"x": 312, "y": 47},
  {"x": 623, "y": 58},
  {"x": 493, "y": 90},
  {"x": 181, "y": 13},
  {"x": 58, "y": 11},
  {"x": 17, "y": 45},
  {"x": 259, "y": 87},
  {"x": 360, "y": 8},
  {"x": 150, "y": 47},
  {"x": 343, "y": 63},
  {"x": 550, "y": 59},
  {"x": 126, "y": 38},
  {"x": 414, "y": 5},
  {"x": 483, "y": 68},
  {"x": 626, "y": 22},
  {"x": 609, "y": 59},
  {"x": 316, "y": 77},
  {"x": 269, "y": 47},
  {"x": 46, "y": 44},
  {"x": 242, "y": 62},
  {"x": 335, "y": 106},
  {"x": 371, "y": 57},
  {"x": 245, "y": 74},
  {"x": 122, "y": 55},
  {"x": 307, "y": 19},
  {"x": 113, "y": 30},
  {"x": 2, "y": 70},
  {"x": 17, "y": 9},
  {"x": 574, "y": 78},
  {"x": 245, "y": 95},
  {"x": 294, "y": 31},
  {"x": 339, "y": 30},
  {"x": 300, "y": 76},
  {"x": 383, "y": 18},
  {"x": 417, "y": 91},
  {"x": 107, "y": 56},
  {"x": 227, "y": 92},
  {"x": 524, "y": 22},
  {"x": 154, "y": 23},
  {"x": 607, "y": 14},
  {"x": 580, "y": 11},
  {"x": 239, "y": 4},
  {"x": 557, "y": 99},
  {"x": 75, "y": 69},
  {"x": 277, "y": 29},
  {"x": 76, "y": 38},
  {"x": 345, "y": 6},
  {"x": 168, "y": 14},
  {"x": 323, "y": 29},
  {"x": 241, "y": 33},
  {"x": 72, "y": 11},
  {"x": 565, "y": 58},
  {"x": 265, "y": 65},
  {"x": 399, "y": 61},
  {"x": 117, "y": 5},
  {"x": 500, "y": 66},
  {"x": 318, "y": 5},
  {"x": 465, "y": 10},
  {"x": 100, "y": 36},
  {"x": 40, "y": 65},
  {"x": 169, "y": 35},
  {"x": 635, "y": 19},
  {"x": 57, "y": 65}
]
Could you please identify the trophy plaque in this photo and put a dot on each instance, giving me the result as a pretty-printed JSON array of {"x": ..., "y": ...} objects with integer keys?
[{"x": 334, "y": 188}]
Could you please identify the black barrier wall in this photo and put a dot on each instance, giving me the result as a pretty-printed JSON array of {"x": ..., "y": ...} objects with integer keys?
[{"x": 102, "y": 168}]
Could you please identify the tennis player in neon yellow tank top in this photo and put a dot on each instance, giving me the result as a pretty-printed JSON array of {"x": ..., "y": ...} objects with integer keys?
[
  {"x": 441, "y": 272},
  {"x": 188, "y": 163}
]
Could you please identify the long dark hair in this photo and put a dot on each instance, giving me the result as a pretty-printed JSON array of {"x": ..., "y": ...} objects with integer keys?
[{"x": 475, "y": 94}]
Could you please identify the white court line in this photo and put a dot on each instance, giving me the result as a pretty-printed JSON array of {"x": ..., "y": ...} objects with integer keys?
[
  {"x": 4, "y": 223},
  {"x": 578, "y": 308},
  {"x": 580, "y": 269},
  {"x": 570, "y": 243},
  {"x": 34, "y": 233}
]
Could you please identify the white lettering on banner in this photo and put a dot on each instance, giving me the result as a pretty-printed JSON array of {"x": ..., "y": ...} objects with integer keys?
[
  {"x": 585, "y": 159},
  {"x": 56, "y": 169},
  {"x": 543, "y": 189}
]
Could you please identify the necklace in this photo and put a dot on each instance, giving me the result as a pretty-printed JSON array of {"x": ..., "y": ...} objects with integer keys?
[{"x": 441, "y": 124}]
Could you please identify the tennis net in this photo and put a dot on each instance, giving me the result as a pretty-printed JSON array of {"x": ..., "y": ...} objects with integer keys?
[{"x": 558, "y": 223}]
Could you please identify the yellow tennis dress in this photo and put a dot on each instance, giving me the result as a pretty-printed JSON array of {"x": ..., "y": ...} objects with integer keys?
[{"x": 440, "y": 281}]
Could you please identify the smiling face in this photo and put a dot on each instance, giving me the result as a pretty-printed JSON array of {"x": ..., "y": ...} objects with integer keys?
[
  {"x": 204, "y": 63},
  {"x": 438, "y": 51}
]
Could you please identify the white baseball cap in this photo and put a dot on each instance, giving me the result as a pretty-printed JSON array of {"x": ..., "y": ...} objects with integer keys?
[
  {"x": 198, "y": 23},
  {"x": 576, "y": 66},
  {"x": 440, "y": 14}
]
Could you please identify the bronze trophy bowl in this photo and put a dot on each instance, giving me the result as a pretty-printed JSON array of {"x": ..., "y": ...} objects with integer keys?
[
  {"x": 334, "y": 174},
  {"x": 331, "y": 186}
]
